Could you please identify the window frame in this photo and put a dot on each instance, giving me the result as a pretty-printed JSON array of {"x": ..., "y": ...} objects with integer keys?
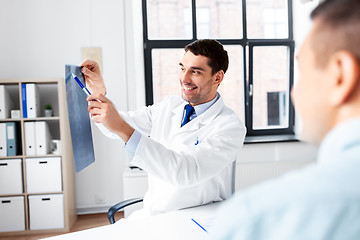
[{"x": 248, "y": 46}]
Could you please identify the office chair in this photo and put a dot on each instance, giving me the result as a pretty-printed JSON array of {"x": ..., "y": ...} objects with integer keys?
[{"x": 125, "y": 203}]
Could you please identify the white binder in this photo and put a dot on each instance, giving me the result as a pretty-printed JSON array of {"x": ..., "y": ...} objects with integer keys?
[
  {"x": 3, "y": 139},
  {"x": 32, "y": 100},
  {"x": 42, "y": 139},
  {"x": 6, "y": 104},
  {"x": 30, "y": 147}
]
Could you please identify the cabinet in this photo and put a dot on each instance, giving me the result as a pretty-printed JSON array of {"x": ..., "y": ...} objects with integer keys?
[{"x": 40, "y": 185}]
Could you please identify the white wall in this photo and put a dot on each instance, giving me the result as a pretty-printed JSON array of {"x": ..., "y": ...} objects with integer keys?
[{"x": 38, "y": 37}]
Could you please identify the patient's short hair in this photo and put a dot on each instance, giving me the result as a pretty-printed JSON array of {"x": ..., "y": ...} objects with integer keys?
[
  {"x": 339, "y": 29},
  {"x": 212, "y": 49}
]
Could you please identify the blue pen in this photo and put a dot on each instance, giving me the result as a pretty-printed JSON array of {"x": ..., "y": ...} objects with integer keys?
[
  {"x": 81, "y": 85},
  {"x": 199, "y": 224}
]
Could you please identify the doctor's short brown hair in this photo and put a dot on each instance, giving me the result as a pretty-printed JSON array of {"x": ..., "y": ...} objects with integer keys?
[
  {"x": 212, "y": 49},
  {"x": 338, "y": 29}
]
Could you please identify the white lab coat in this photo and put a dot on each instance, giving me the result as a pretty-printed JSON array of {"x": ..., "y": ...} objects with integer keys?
[{"x": 190, "y": 165}]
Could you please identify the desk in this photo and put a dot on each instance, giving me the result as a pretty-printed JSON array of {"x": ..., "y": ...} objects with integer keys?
[{"x": 172, "y": 225}]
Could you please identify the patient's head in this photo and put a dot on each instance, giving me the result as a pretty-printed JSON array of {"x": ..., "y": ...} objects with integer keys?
[
  {"x": 328, "y": 90},
  {"x": 338, "y": 29}
]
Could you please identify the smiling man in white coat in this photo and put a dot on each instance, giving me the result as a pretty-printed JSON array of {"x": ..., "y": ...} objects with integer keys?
[{"x": 186, "y": 143}]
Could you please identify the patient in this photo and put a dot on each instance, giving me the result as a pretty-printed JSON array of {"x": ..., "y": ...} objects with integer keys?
[{"x": 321, "y": 201}]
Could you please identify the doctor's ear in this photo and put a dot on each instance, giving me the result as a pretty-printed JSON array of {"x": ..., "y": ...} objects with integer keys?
[{"x": 219, "y": 76}]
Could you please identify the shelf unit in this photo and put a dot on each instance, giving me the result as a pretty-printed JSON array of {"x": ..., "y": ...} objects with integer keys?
[{"x": 51, "y": 91}]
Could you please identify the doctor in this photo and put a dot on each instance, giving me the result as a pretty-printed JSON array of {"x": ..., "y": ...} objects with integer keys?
[{"x": 186, "y": 143}]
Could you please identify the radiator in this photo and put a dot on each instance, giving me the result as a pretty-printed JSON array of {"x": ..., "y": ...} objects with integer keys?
[{"x": 249, "y": 174}]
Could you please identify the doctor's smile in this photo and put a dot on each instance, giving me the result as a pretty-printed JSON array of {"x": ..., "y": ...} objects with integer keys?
[{"x": 188, "y": 89}]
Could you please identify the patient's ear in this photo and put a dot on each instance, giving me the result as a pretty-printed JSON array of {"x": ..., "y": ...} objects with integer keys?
[{"x": 344, "y": 70}]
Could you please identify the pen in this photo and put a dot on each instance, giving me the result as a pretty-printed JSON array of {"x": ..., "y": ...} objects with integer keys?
[
  {"x": 81, "y": 85},
  {"x": 198, "y": 225}
]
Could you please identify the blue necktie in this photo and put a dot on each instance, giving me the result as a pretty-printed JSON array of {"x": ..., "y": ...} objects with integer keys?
[{"x": 188, "y": 111}]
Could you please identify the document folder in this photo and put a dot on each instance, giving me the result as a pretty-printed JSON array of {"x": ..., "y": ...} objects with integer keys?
[
  {"x": 6, "y": 104},
  {"x": 11, "y": 135},
  {"x": 3, "y": 140},
  {"x": 32, "y": 100},
  {"x": 30, "y": 148},
  {"x": 23, "y": 99},
  {"x": 42, "y": 138}
]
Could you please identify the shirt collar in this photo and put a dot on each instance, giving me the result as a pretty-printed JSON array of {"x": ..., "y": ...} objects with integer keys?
[{"x": 339, "y": 139}]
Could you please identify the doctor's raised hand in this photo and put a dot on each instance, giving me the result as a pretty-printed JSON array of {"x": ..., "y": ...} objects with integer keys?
[
  {"x": 101, "y": 109},
  {"x": 93, "y": 78}
]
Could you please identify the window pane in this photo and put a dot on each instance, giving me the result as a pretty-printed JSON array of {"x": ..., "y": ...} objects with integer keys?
[
  {"x": 270, "y": 87},
  {"x": 165, "y": 68},
  {"x": 169, "y": 19},
  {"x": 267, "y": 19},
  {"x": 232, "y": 87},
  {"x": 219, "y": 19}
]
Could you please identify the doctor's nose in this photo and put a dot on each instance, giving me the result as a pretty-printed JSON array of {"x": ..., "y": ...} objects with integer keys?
[{"x": 185, "y": 76}]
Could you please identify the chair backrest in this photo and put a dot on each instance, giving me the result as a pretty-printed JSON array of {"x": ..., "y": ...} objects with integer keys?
[{"x": 233, "y": 175}]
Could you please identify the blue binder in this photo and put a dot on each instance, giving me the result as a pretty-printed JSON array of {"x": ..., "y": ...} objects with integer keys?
[
  {"x": 23, "y": 98},
  {"x": 11, "y": 138}
]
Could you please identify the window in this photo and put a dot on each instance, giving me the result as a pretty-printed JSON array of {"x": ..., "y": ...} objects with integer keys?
[{"x": 258, "y": 37}]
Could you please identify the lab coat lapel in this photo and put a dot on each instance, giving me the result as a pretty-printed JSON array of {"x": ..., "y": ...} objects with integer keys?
[
  {"x": 212, "y": 112},
  {"x": 191, "y": 126},
  {"x": 196, "y": 123},
  {"x": 176, "y": 118},
  {"x": 177, "y": 115}
]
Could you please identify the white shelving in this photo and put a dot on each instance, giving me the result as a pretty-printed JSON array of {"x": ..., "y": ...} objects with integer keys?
[{"x": 58, "y": 198}]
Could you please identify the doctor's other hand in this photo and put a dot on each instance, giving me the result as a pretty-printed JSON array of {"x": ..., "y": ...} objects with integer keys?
[
  {"x": 94, "y": 80},
  {"x": 103, "y": 111}
]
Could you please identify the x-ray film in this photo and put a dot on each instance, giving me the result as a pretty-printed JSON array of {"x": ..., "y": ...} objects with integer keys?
[{"x": 79, "y": 119}]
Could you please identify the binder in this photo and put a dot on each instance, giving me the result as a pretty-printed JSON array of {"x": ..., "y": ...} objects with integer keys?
[
  {"x": 42, "y": 139},
  {"x": 23, "y": 99},
  {"x": 32, "y": 100},
  {"x": 11, "y": 136},
  {"x": 6, "y": 104},
  {"x": 3, "y": 145},
  {"x": 30, "y": 148}
]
